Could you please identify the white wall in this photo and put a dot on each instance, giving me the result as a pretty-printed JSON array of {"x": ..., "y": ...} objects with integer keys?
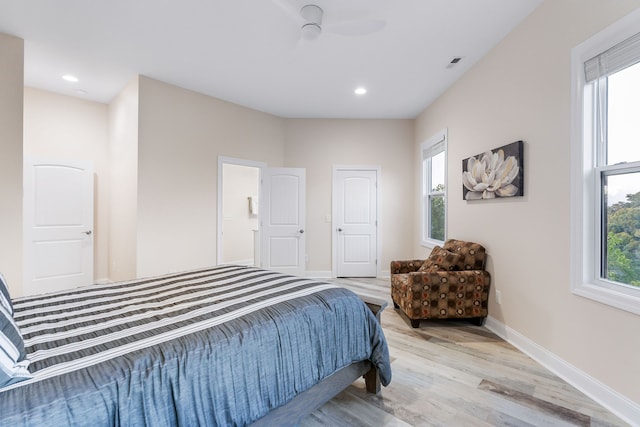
[
  {"x": 11, "y": 83},
  {"x": 521, "y": 90},
  {"x": 320, "y": 144},
  {"x": 181, "y": 134},
  {"x": 61, "y": 127}
]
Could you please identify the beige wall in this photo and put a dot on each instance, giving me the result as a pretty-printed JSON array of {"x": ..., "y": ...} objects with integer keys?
[
  {"x": 157, "y": 168},
  {"x": 62, "y": 128},
  {"x": 521, "y": 90},
  {"x": 11, "y": 83},
  {"x": 123, "y": 176},
  {"x": 318, "y": 145},
  {"x": 181, "y": 135}
]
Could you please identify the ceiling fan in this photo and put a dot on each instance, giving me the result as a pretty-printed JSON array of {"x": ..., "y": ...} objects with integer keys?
[{"x": 310, "y": 19}]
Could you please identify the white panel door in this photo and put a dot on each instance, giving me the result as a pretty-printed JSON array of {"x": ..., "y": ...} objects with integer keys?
[
  {"x": 355, "y": 217},
  {"x": 58, "y": 225},
  {"x": 283, "y": 220}
]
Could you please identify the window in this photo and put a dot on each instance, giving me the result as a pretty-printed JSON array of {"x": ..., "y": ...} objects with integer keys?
[
  {"x": 606, "y": 166},
  {"x": 434, "y": 186}
]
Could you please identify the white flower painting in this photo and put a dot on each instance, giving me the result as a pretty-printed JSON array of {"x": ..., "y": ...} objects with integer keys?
[{"x": 495, "y": 173}]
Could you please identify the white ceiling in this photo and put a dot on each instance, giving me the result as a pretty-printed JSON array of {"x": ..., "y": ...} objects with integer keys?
[{"x": 249, "y": 51}]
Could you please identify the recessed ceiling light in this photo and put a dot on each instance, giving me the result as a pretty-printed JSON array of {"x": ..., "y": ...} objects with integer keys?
[
  {"x": 70, "y": 78},
  {"x": 360, "y": 91}
]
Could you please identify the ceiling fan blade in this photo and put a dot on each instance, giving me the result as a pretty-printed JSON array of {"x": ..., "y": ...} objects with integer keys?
[
  {"x": 290, "y": 10},
  {"x": 356, "y": 28}
]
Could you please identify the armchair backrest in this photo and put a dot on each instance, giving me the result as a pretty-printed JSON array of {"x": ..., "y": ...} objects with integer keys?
[{"x": 473, "y": 254}]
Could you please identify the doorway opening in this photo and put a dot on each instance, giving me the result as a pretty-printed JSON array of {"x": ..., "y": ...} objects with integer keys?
[{"x": 238, "y": 210}]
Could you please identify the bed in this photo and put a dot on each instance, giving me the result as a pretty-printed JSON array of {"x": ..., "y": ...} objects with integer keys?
[{"x": 228, "y": 345}]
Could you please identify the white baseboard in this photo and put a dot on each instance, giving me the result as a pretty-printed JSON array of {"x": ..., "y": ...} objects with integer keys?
[
  {"x": 328, "y": 274},
  {"x": 318, "y": 274},
  {"x": 103, "y": 281},
  {"x": 247, "y": 262},
  {"x": 615, "y": 402}
]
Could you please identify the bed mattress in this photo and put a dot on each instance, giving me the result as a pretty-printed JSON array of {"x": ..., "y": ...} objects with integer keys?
[{"x": 216, "y": 346}]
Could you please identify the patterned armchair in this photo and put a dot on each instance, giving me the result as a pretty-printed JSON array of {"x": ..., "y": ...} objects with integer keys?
[{"x": 451, "y": 283}]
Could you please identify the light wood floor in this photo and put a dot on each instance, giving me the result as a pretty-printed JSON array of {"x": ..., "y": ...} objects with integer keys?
[{"x": 456, "y": 374}]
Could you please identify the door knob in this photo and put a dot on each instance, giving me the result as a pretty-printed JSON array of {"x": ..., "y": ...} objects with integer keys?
[
  {"x": 88, "y": 233},
  {"x": 301, "y": 231},
  {"x": 339, "y": 230}
]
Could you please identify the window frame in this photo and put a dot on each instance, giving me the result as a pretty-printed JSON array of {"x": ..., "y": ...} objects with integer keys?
[
  {"x": 586, "y": 175},
  {"x": 428, "y": 149}
]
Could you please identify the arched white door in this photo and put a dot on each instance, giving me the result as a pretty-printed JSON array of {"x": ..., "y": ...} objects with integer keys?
[
  {"x": 355, "y": 219},
  {"x": 58, "y": 225},
  {"x": 282, "y": 220}
]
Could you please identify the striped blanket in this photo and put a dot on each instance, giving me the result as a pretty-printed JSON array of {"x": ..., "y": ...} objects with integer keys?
[{"x": 218, "y": 346}]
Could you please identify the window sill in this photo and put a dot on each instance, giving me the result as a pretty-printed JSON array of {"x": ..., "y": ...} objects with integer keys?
[
  {"x": 611, "y": 297},
  {"x": 430, "y": 244}
]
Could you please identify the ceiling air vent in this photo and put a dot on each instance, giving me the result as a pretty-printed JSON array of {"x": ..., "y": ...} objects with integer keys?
[{"x": 454, "y": 61}]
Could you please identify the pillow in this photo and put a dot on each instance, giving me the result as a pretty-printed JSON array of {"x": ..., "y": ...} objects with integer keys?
[
  {"x": 13, "y": 358},
  {"x": 439, "y": 260},
  {"x": 5, "y": 299}
]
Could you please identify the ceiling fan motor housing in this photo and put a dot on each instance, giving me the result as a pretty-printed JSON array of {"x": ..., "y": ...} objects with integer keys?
[{"x": 312, "y": 14}]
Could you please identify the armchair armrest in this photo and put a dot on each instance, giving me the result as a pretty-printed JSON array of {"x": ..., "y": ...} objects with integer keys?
[{"x": 408, "y": 266}]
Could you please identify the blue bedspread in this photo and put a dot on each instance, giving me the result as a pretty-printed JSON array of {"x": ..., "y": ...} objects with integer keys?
[{"x": 215, "y": 347}]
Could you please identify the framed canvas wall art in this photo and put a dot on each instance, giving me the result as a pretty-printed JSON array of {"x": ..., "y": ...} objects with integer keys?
[{"x": 494, "y": 174}]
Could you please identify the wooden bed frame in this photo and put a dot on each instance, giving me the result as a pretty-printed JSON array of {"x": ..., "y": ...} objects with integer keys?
[{"x": 308, "y": 401}]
